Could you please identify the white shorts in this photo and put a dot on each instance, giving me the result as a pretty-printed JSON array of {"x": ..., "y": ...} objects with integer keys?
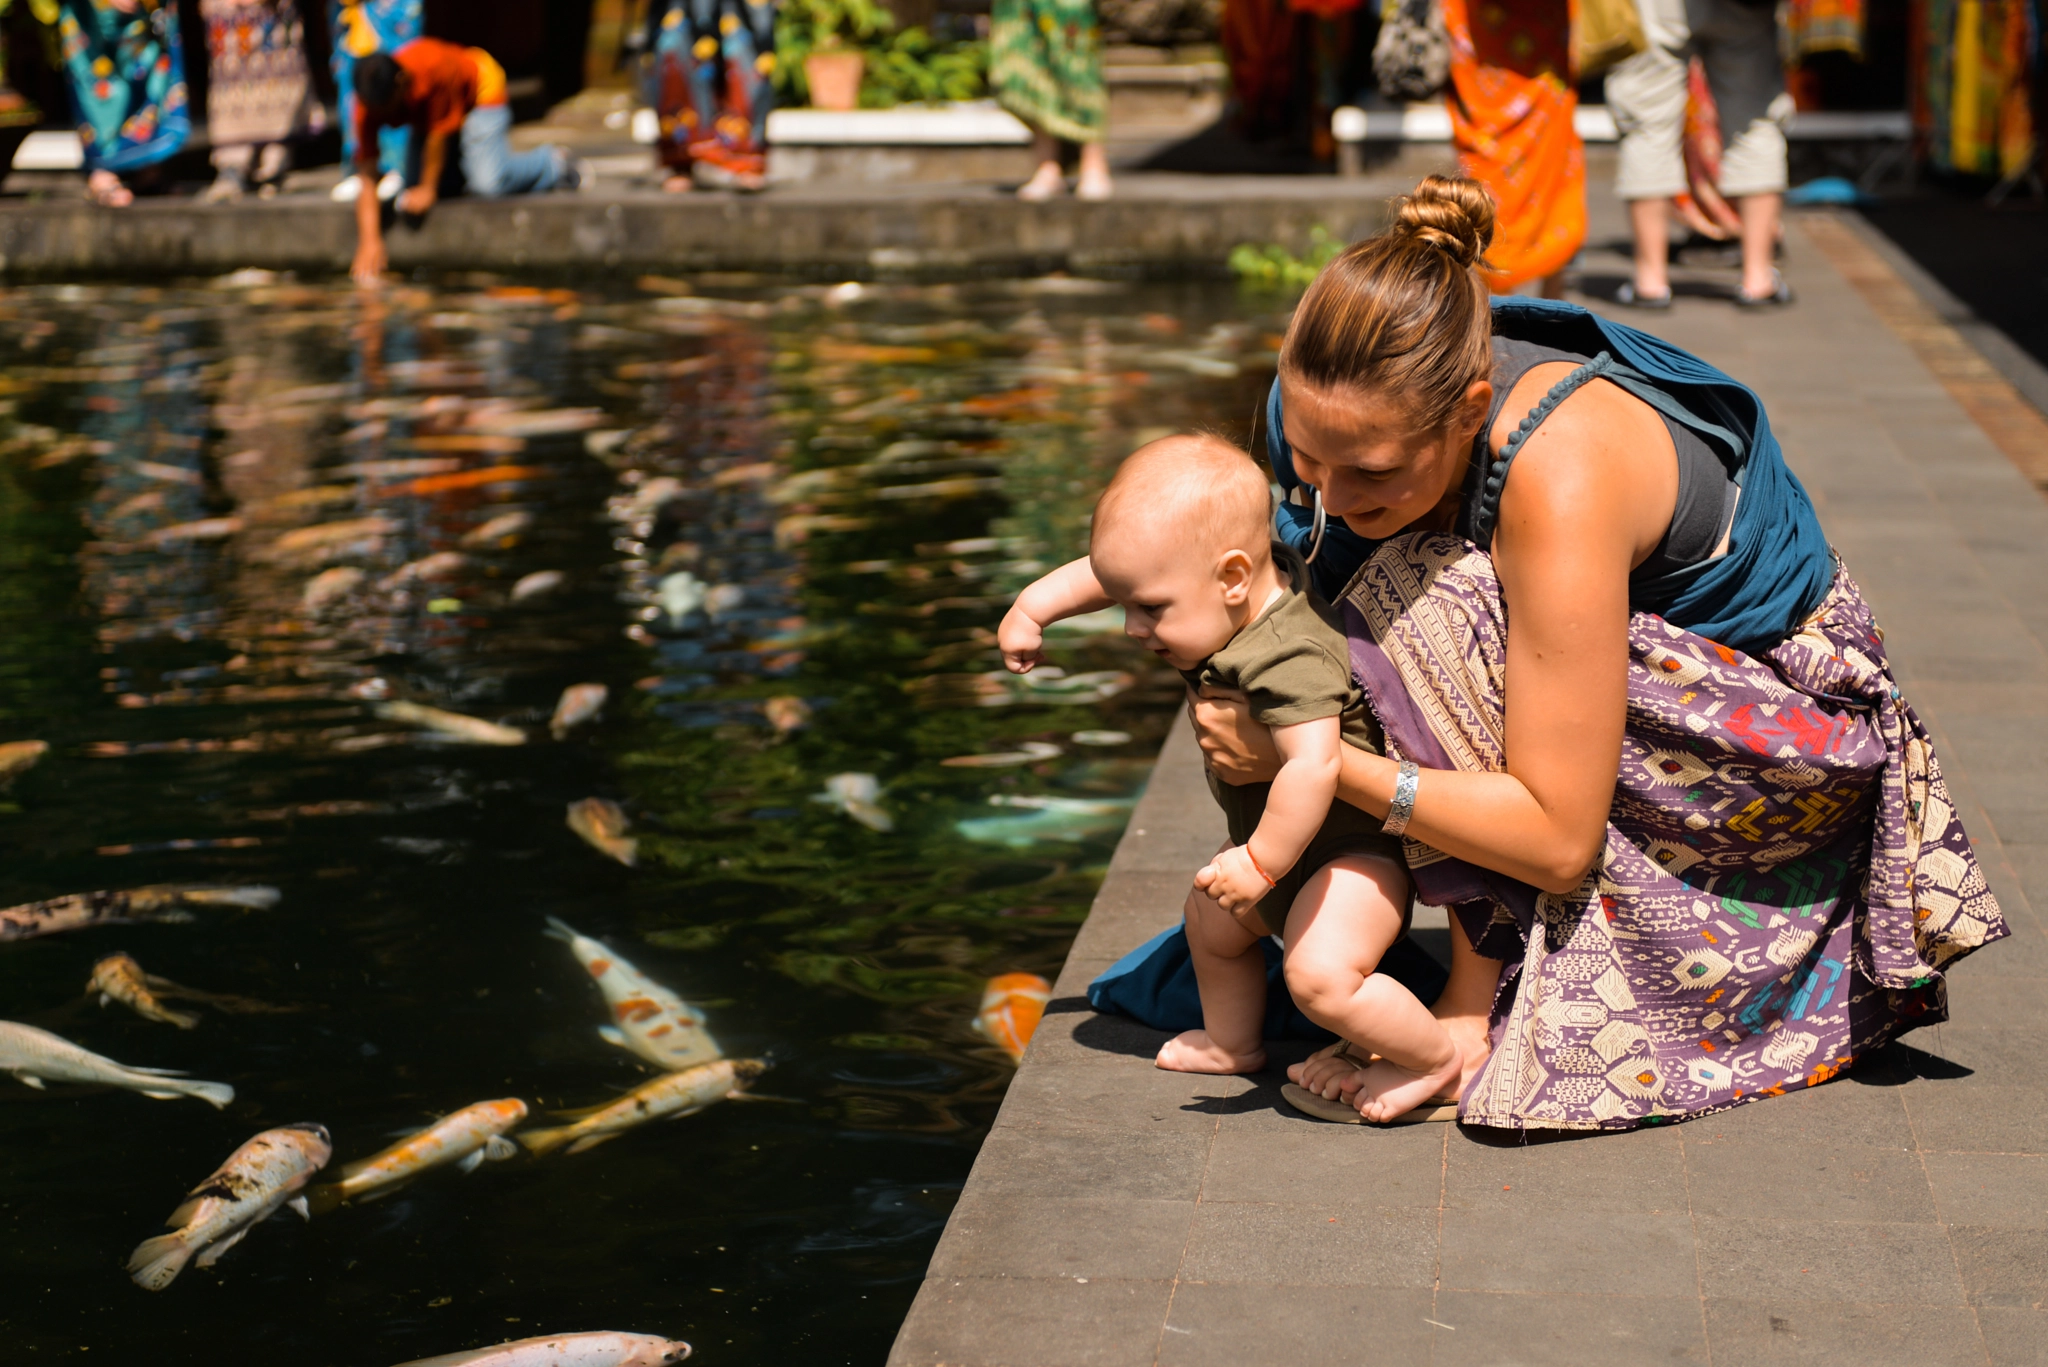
[{"x": 1738, "y": 45}]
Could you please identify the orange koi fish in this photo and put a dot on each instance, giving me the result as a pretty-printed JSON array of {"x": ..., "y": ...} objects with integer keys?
[
  {"x": 653, "y": 1022},
  {"x": 671, "y": 1094},
  {"x": 465, "y": 1138},
  {"x": 1011, "y": 1007}
]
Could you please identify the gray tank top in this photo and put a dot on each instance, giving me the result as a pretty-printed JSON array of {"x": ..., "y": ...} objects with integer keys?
[{"x": 1706, "y": 494}]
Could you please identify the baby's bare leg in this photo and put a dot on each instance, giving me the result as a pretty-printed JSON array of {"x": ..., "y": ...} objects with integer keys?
[
  {"x": 1341, "y": 923},
  {"x": 1231, "y": 970}
]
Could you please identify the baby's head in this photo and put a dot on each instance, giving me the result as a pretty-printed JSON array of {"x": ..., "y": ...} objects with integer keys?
[{"x": 1181, "y": 538}]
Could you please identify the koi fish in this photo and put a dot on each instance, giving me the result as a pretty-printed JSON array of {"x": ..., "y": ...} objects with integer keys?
[
  {"x": 1030, "y": 752},
  {"x": 653, "y": 1022},
  {"x": 329, "y": 587},
  {"x": 577, "y": 705},
  {"x": 786, "y": 713},
  {"x": 497, "y": 531},
  {"x": 118, "y": 978},
  {"x": 19, "y": 756},
  {"x": 602, "y": 825},
  {"x": 535, "y": 584},
  {"x": 35, "y": 1056},
  {"x": 160, "y": 902},
  {"x": 262, "y": 1175},
  {"x": 453, "y": 725},
  {"x": 606, "y": 1348},
  {"x": 671, "y": 1094},
  {"x": 1011, "y": 1006},
  {"x": 681, "y": 594},
  {"x": 465, "y": 1138},
  {"x": 428, "y": 569},
  {"x": 1051, "y": 818},
  {"x": 855, "y": 795}
]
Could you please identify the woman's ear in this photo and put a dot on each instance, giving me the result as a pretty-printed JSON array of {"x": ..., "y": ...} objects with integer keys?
[
  {"x": 1234, "y": 573},
  {"x": 1472, "y": 410}
]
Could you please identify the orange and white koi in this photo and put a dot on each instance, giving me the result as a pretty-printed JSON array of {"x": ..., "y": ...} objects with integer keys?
[
  {"x": 1011, "y": 1007},
  {"x": 606, "y": 1348},
  {"x": 653, "y": 1022},
  {"x": 262, "y": 1175},
  {"x": 453, "y": 725},
  {"x": 579, "y": 703},
  {"x": 672, "y": 1094},
  {"x": 465, "y": 1138},
  {"x": 20, "y": 756},
  {"x": 118, "y": 978},
  {"x": 159, "y": 902},
  {"x": 602, "y": 824}
]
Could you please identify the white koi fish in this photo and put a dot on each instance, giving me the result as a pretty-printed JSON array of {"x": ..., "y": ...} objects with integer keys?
[
  {"x": 535, "y": 584},
  {"x": 36, "y": 1056},
  {"x": 653, "y": 1022},
  {"x": 671, "y": 1094},
  {"x": 605, "y": 1348},
  {"x": 453, "y": 725},
  {"x": 265, "y": 1173},
  {"x": 859, "y": 796},
  {"x": 466, "y": 1138}
]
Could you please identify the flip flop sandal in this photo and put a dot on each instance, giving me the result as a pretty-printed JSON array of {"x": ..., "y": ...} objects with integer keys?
[
  {"x": 1437, "y": 1108},
  {"x": 1780, "y": 295},
  {"x": 1628, "y": 298}
]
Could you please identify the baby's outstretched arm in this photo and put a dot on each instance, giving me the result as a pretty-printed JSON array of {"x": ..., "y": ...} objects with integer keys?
[
  {"x": 1068, "y": 591},
  {"x": 1311, "y": 754}
]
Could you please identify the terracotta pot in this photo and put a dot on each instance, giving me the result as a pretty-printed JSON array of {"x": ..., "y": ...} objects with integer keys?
[{"x": 834, "y": 79}]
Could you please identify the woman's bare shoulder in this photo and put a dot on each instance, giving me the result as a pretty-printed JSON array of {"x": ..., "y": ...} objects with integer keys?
[{"x": 1602, "y": 454}]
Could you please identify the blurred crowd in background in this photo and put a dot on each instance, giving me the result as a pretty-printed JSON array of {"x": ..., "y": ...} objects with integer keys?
[{"x": 258, "y": 87}]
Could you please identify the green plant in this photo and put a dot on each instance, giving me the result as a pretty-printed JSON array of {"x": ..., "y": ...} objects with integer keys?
[
  {"x": 1271, "y": 266},
  {"x": 806, "y": 26},
  {"x": 913, "y": 69}
]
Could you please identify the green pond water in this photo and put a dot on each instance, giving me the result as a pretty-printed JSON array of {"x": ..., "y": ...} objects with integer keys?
[{"x": 754, "y": 504}]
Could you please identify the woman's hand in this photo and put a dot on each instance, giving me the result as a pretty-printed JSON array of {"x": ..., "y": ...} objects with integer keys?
[{"x": 1238, "y": 749}]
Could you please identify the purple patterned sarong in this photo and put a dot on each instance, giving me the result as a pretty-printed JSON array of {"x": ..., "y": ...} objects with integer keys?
[{"x": 1784, "y": 880}]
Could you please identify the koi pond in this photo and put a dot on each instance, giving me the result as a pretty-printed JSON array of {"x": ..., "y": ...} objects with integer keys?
[{"x": 251, "y": 527}]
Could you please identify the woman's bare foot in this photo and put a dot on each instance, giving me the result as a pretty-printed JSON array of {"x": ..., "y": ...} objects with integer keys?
[
  {"x": 105, "y": 189},
  {"x": 1329, "y": 1072},
  {"x": 1047, "y": 182},
  {"x": 1388, "y": 1091},
  {"x": 1193, "y": 1051},
  {"x": 679, "y": 184}
]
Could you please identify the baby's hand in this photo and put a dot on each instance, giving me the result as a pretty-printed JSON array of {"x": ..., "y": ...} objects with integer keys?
[
  {"x": 1232, "y": 881},
  {"x": 1022, "y": 642}
]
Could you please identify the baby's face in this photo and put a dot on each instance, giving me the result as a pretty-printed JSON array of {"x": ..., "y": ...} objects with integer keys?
[{"x": 1176, "y": 599}]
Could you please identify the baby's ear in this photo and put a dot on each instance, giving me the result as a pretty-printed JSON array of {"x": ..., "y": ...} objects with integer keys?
[{"x": 1234, "y": 575}]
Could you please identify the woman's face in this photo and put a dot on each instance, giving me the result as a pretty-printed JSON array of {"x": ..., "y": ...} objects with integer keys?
[{"x": 1374, "y": 468}]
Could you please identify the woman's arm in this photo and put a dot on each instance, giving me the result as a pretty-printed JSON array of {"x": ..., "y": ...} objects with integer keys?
[{"x": 1587, "y": 499}]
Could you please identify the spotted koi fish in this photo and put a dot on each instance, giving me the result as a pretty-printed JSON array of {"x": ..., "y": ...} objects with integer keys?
[
  {"x": 1011, "y": 1007},
  {"x": 258, "y": 1178},
  {"x": 602, "y": 1349},
  {"x": 672, "y": 1094},
  {"x": 653, "y": 1022},
  {"x": 465, "y": 1138},
  {"x": 118, "y": 978}
]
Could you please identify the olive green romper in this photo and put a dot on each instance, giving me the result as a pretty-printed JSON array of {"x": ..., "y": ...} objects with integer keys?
[{"x": 1294, "y": 664}]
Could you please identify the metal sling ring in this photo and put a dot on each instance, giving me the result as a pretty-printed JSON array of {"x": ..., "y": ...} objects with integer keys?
[{"x": 1322, "y": 522}]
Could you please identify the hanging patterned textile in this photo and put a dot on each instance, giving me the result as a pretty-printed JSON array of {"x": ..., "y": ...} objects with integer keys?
[
  {"x": 1976, "y": 65},
  {"x": 1512, "y": 107},
  {"x": 1812, "y": 26}
]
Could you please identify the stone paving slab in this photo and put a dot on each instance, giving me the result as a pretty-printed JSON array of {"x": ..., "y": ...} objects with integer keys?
[{"x": 1899, "y": 1215}]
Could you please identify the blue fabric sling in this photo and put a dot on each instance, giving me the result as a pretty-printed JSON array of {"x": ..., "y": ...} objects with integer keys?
[{"x": 1778, "y": 565}]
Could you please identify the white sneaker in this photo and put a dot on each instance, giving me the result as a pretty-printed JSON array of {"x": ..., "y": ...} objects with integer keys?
[
  {"x": 391, "y": 186},
  {"x": 346, "y": 190}
]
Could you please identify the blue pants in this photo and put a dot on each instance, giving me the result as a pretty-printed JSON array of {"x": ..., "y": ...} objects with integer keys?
[{"x": 488, "y": 168}]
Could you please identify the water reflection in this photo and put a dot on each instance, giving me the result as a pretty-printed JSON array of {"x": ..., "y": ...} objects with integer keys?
[{"x": 248, "y": 534}]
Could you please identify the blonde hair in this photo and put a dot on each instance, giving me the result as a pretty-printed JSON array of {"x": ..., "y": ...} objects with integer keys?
[
  {"x": 1199, "y": 487},
  {"x": 1405, "y": 313}
]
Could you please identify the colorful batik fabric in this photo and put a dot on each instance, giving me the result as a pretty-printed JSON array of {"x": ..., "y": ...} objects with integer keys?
[
  {"x": 359, "y": 28},
  {"x": 127, "y": 76},
  {"x": 258, "y": 88},
  {"x": 714, "y": 83},
  {"x": 1785, "y": 881},
  {"x": 1045, "y": 66},
  {"x": 1976, "y": 68},
  {"x": 1812, "y": 26},
  {"x": 1512, "y": 105}
]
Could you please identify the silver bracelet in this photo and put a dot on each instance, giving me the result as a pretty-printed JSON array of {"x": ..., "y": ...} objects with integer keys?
[{"x": 1402, "y": 809}]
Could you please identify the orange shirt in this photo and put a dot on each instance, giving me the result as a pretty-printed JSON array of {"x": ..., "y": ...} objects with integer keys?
[{"x": 444, "y": 82}]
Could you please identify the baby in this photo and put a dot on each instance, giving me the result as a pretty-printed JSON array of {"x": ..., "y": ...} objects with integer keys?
[{"x": 1181, "y": 541}]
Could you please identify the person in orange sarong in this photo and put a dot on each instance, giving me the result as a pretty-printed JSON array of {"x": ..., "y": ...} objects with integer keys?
[{"x": 1512, "y": 103}]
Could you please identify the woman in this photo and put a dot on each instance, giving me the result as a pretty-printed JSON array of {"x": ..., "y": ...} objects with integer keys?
[
  {"x": 127, "y": 74},
  {"x": 1641, "y": 732},
  {"x": 1045, "y": 66},
  {"x": 259, "y": 93},
  {"x": 1512, "y": 105},
  {"x": 359, "y": 28},
  {"x": 713, "y": 79}
]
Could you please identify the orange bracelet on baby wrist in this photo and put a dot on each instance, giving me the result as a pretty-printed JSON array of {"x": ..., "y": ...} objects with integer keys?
[{"x": 1255, "y": 865}]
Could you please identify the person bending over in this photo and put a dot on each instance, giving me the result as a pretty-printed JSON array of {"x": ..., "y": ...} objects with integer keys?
[
  {"x": 1181, "y": 541},
  {"x": 441, "y": 91}
]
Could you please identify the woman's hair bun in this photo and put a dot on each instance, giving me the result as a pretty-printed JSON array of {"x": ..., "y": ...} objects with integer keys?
[{"x": 1452, "y": 213}]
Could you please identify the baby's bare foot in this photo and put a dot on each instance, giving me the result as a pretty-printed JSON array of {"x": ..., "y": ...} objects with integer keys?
[
  {"x": 1328, "y": 1073},
  {"x": 1194, "y": 1052},
  {"x": 1389, "y": 1091}
]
